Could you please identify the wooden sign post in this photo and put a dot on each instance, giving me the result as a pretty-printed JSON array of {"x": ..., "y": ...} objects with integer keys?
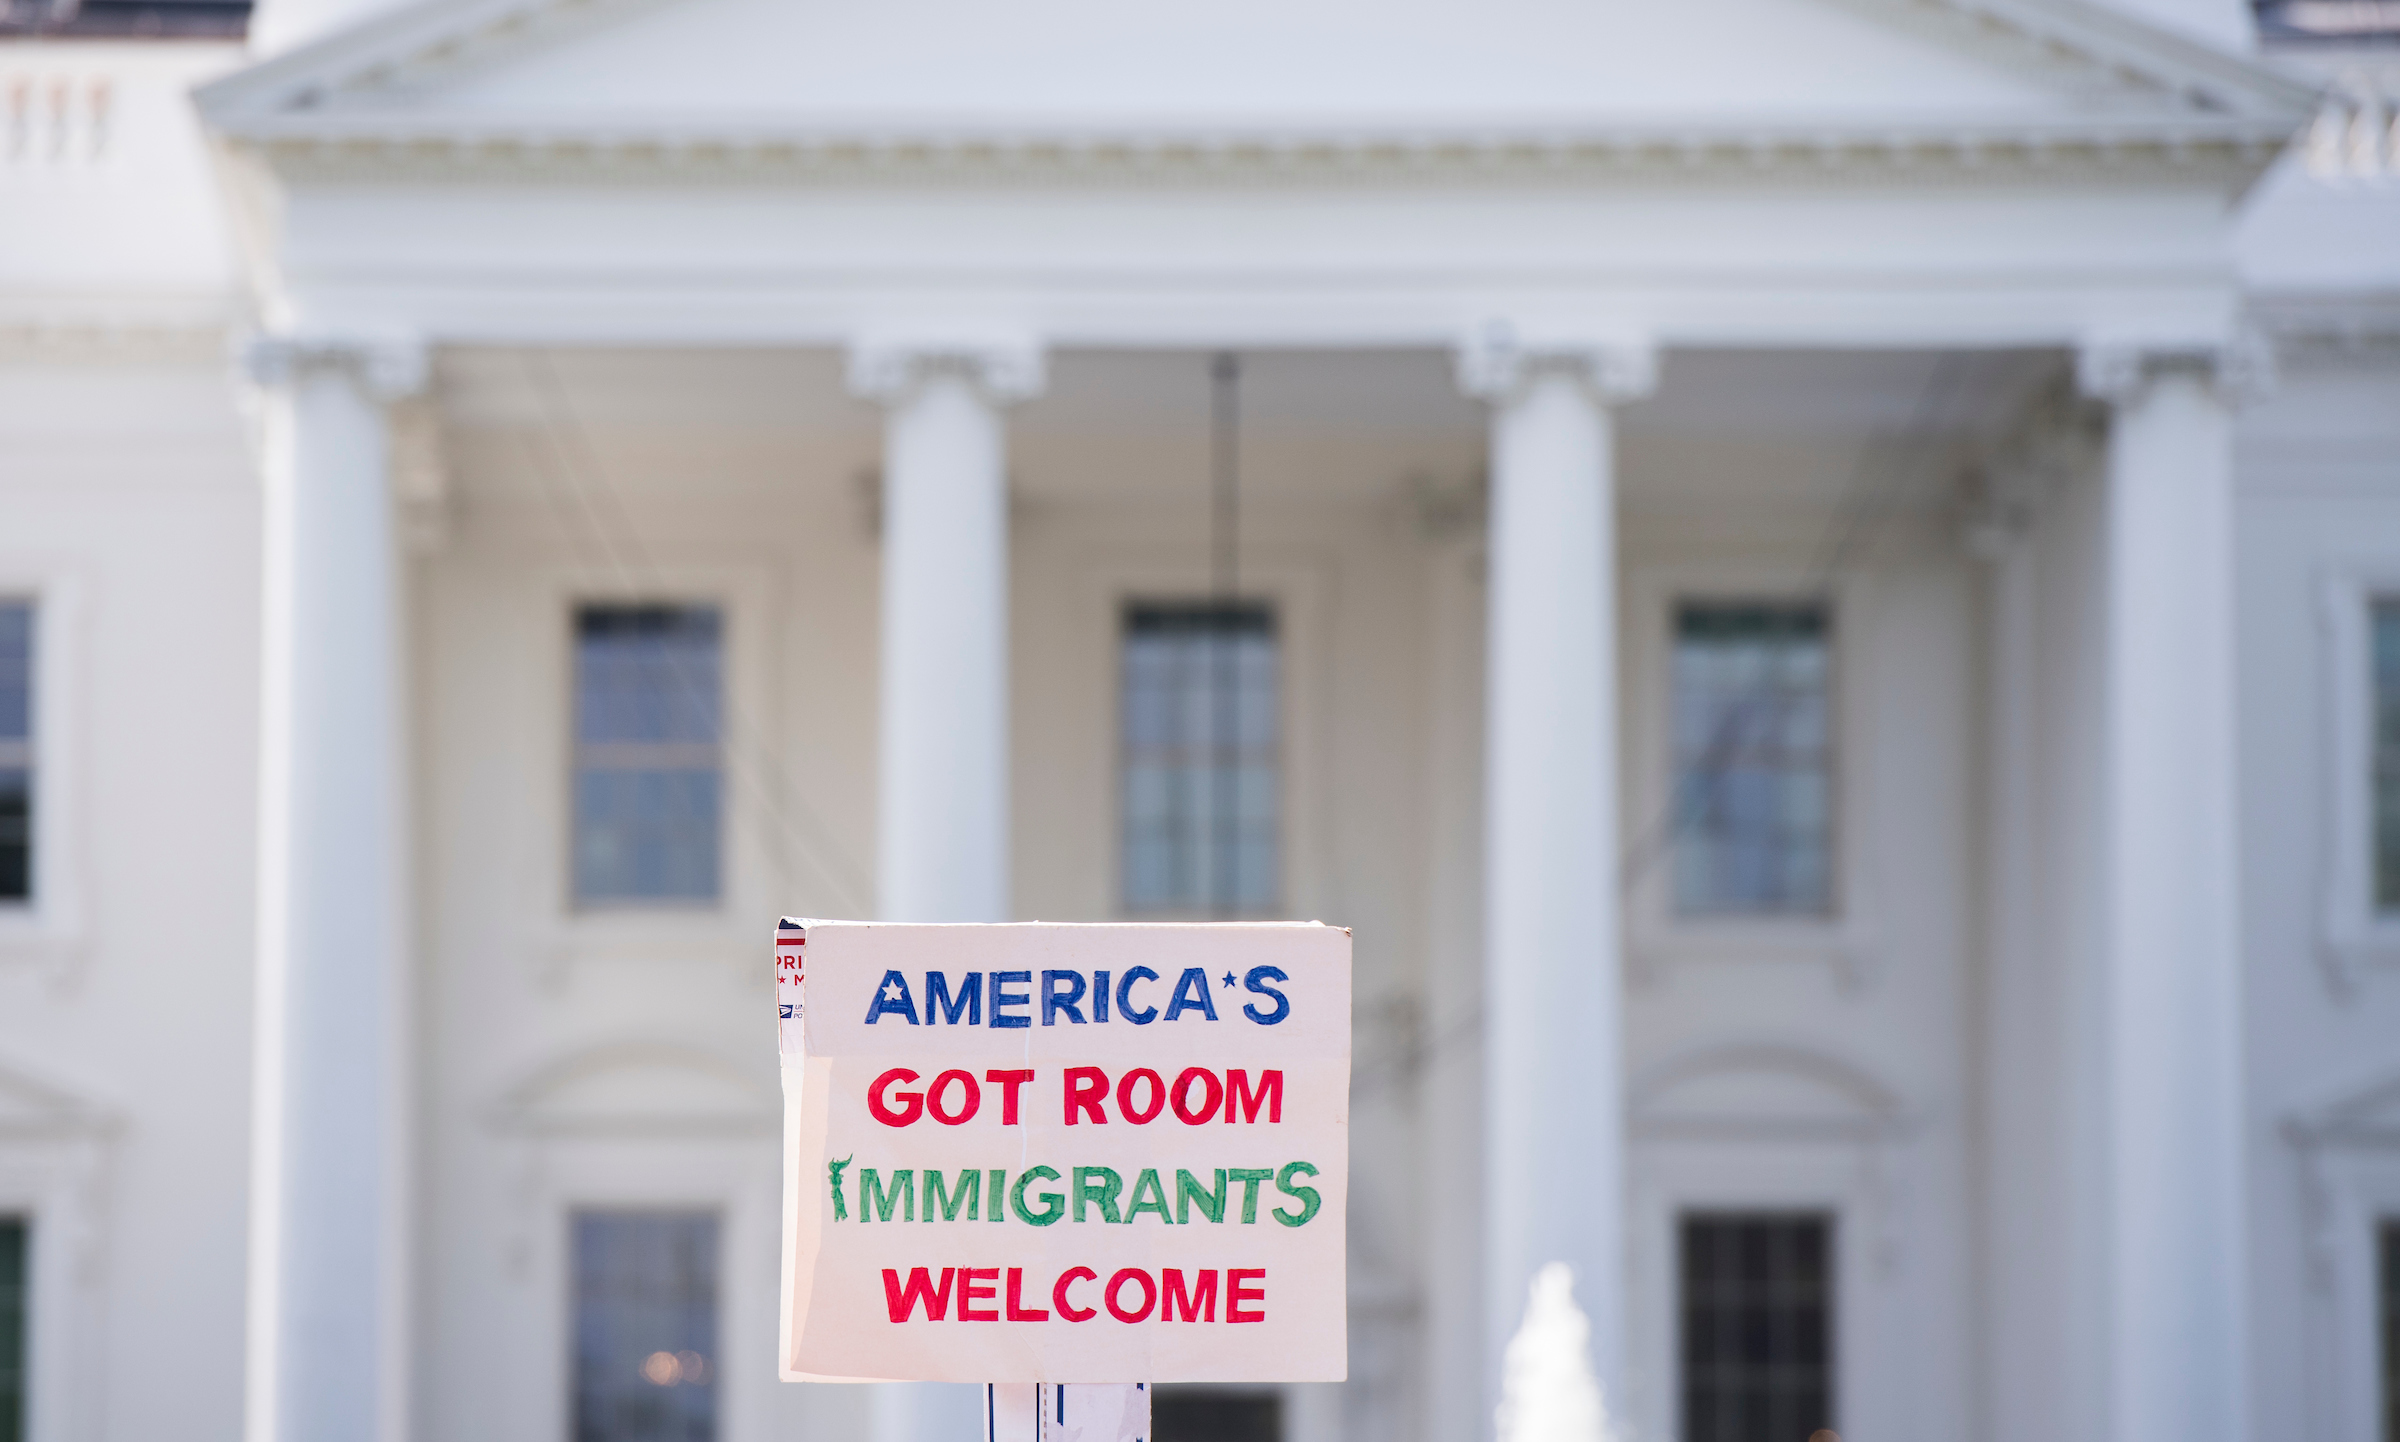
[{"x": 1033, "y": 1155}]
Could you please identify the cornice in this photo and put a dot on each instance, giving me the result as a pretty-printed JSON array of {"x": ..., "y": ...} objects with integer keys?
[
  {"x": 2228, "y": 150},
  {"x": 311, "y": 110}
]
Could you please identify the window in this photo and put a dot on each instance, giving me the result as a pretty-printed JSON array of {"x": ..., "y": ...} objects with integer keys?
[
  {"x": 2387, "y": 1297},
  {"x": 126, "y": 19},
  {"x": 1201, "y": 810},
  {"x": 649, "y": 703},
  {"x": 1753, "y": 759},
  {"x": 645, "y": 1326},
  {"x": 1757, "y": 1326},
  {"x": 13, "y": 1264},
  {"x": 16, "y": 751},
  {"x": 2384, "y": 632},
  {"x": 1209, "y": 1414}
]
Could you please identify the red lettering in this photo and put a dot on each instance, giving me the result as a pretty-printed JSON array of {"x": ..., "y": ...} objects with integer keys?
[
  {"x": 933, "y": 1098},
  {"x": 882, "y": 1111},
  {"x": 920, "y": 1287},
  {"x": 1199, "y": 1305},
  {"x": 1058, "y": 1294},
  {"x": 1238, "y": 1094},
  {"x": 1158, "y": 1095},
  {"x": 1182, "y": 1094},
  {"x": 1087, "y": 1088},
  {"x": 1008, "y": 1082},
  {"x": 969, "y": 1293},
  {"x": 1149, "y": 1294},
  {"x": 1236, "y": 1294},
  {"x": 1017, "y": 1311}
]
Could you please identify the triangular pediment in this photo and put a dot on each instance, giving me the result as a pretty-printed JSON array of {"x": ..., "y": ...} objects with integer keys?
[{"x": 968, "y": 72}]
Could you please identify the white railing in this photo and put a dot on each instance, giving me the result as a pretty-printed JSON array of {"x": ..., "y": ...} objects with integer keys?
[
  {"x": 54, "y": 117},
  {"x": 2356, "y": 136}
]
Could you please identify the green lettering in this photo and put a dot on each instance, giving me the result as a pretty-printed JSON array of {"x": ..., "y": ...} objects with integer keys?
[
  {"x": 1101, "y": 1185},
  {"x": 1049, "y": 1214},
  {"x": 1147, "y": 1184},
  {"x": 999, "y": 1212},
  {"x": 970, "y": 1187},
  {"x": 1187, "y": 1191},
  {"x": 875, "y": 1204},
  {"x": 1307, "y": 1196},
  {"x": 1250, "y": 1178}
]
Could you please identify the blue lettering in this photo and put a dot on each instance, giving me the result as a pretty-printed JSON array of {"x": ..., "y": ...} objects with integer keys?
[
  {"x": 1256, "y": 980},
  {"x": 938, "y": 1000},
  {"x": 1125, "y": 1008},
  {"x": 891, "y": 995},
  {"x": 1002, "y": 999},
  {"x": 1055, "y": 1000},
  {"x": 1193, "y": 984},
  {"x": 1099, "y": 996}
]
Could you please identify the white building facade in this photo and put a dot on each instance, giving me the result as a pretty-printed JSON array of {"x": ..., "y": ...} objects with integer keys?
[{"x": 1817, "y": 580}]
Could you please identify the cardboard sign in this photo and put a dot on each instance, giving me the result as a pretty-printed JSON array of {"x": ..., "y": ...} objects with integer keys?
[{"x": 1047, "y": 1153}]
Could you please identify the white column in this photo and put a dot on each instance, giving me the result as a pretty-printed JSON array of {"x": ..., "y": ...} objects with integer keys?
[
  {"x": 942, "y": 813},
  {"x": 327, "y": 1358},
  {"x": 2170, "y": 939},
  {"x": 942, "y": 844},
  {"x": 1553, "y": 1101}
]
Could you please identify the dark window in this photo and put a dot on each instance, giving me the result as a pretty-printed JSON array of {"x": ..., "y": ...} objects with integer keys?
[
  {"x": 2386, "y": 642},
  {"x": 16, "y": 751},
  {"x": 2388, "y": 1297},
  {"x": 649, "y": 784},
  {"x": 1753, "y": 756},
  {"x": 2371, "y": 22},
  {"x": 14, "y": 1263},
  {"x": 1208, "y": 1414},
  {"x": 645, "y": 1326},
  {"x": 127, "y": 19},
  {"x": 1757, "y": 1326},
  {"x": 1202, "y": 774}
]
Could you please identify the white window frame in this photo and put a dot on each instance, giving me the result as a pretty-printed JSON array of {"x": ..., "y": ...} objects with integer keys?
[
  {"x": 564, "y": 933},
  {"x": 2353, "y": 937},
  {"x": 1088, "y": 671},
  {"x": 1852, "y": 1165},
  {"x": 55, "y": 1164},
  {"x": 47, "y": 932},
  {"x": 1658, "y": 938},
  {"x": 562, "y": 1157},
  {"x": 2349, "y": 1155}
]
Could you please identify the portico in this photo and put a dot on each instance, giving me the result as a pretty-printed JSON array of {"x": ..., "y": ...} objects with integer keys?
[{"x": 949, "y": 341}]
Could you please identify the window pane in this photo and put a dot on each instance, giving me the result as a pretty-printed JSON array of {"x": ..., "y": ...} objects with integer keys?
[
  {"x": 1200, "y": 785},
  {"x": 2388, "y": 1268},
  {"x": 16, "y": 751},
  {"x": 1757, "y": 1324},
  {"x": 649, "y": 783},
  {"x": 1753, "y": 759},
  {"x": 645, "y": 1326},
  {"x": 1198, "y": 1414},
  {"x": 2387, "y": 754},
  {"x": 15, "y": 1235}
]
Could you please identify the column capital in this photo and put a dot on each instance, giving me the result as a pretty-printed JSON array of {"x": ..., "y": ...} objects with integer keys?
[
  {"x": 888, "y": 369},
  {"x": 1494, "y": 364},
  {"x": 2240, "y": 367},
  {"x": 388, "y": 368}
]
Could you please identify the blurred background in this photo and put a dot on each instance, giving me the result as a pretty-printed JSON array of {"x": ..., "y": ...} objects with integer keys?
[{"x": 1818, "y": 580}]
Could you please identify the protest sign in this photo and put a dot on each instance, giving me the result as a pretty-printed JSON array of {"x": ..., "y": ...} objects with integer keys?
[{"x": 1055, "y": 1153}]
